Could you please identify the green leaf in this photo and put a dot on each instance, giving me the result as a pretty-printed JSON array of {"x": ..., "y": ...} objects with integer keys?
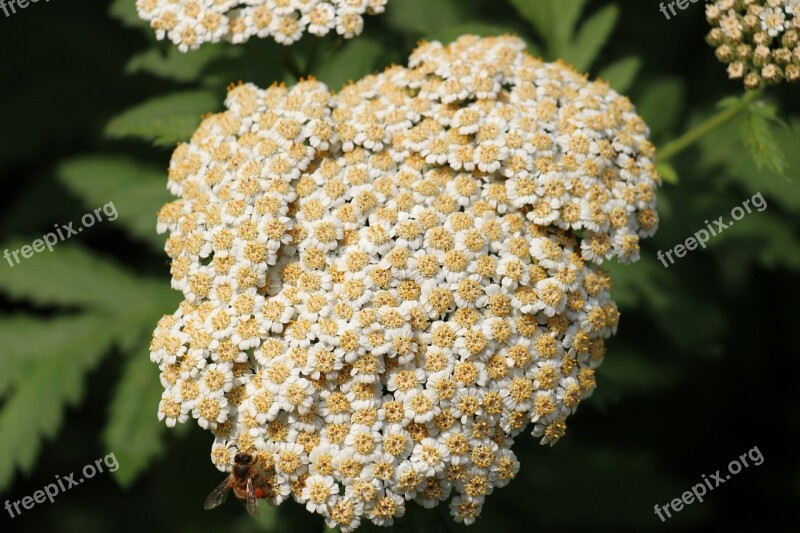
[
  {"x": 621, "y": 74},
  {"x": 539, "y": 14},
  {"x": 137, "y": 190},
  {"x": 358, "y": 58},
  {"x": 70, "y": 275},
  {"x": 759, "y": 137},
  {"x": 591, "y": 37},
  {"x": 45, "y": 361},
  {"x": 134, "y": 432},
  {"x": 164, "y": 120},
  {"x": 267, "y": 518},
  {"x": 770, "y": 241},
  {"x": 664, "y": 297},
  {"x": 660, "y": 104},
  {"x": 722, "y": 155},
  {"x": 35, "y": 409},
  {"x": 556, "y": 21},
  {"x": 176, "y": 65},
  {"x": 424, "y": 17},
  {"x": 668, "y": 172},
  {"x": 125, "y": 12},
  {"x": 25, "y": 339},
  {"x": 564, "y": 20}
]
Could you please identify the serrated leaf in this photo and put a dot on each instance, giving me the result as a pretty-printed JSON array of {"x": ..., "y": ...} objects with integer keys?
[
  {"x": 134, "y": 432},
  {"x": 73, "y": 276},
  {"x": 357, "y": 59},
  {"x": 722, "y": 155},
  {"x": 137, "y": 190},
  {"x": 35, "y": 409},
  {"x": 621, "y": 74},
  {"x": 164, "y": 120},
  {"x": 592, "y": 37},
  {"x": 760, "y": 139},
  {"x": 25, "y": 340}
]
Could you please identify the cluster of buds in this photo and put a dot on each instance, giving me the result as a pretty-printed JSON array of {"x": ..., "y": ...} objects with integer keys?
[
  {"x": 190, "y": 23},
  {"x": 386, "y": 286},
  {"x": 759, "y": 40}
]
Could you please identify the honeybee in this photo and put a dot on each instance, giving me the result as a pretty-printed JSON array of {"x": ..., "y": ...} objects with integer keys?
[{"x": 245, "y": 480}]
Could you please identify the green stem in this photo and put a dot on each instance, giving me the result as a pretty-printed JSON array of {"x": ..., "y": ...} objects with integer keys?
[
  {"x": 312, "y": 58},
  {"x": 676, "y": 146},
  {"x": 291, "y": 63}
]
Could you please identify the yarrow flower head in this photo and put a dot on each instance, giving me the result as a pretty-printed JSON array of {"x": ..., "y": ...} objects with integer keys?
[
  {"x": 385, "y": 286},
  {"x": 759, "y": 40},
  {"x": 190, "y": 23}
]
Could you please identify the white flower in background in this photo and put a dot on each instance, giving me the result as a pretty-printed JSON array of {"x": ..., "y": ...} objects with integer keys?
[
  {"x": 191, "y": 23},
  {"x": 759, "y": 40},
  {"x": 384, "y": 287}
]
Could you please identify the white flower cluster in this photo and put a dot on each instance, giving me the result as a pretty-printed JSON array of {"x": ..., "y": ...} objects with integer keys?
[
  {"x": 190, "y": 23},
  {"x": 384, "y": 287},
  {"x": 759, "y": 40}
]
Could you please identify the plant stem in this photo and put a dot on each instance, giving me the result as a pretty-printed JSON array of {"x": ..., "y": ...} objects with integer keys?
[
  {"x": 291, "y": 63},
  {"x": 312, "y": 59},
  {"x": 676, "y": 146}
]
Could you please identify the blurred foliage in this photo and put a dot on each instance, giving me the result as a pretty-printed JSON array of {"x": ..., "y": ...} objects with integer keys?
[{"x": 92, "y": 106}]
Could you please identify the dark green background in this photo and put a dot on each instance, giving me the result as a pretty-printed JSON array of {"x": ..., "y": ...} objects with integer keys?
[{"x": 703, "y": 368}]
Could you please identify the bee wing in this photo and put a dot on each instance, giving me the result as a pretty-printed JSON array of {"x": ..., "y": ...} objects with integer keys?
[
  {"x": 218, "y": 495},
  {"x": 252, "y": 499}
]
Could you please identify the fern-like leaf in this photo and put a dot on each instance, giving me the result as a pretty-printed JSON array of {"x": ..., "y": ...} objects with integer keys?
[
  {"x": 136, "y": 189},
  {"x": 164, "y": 120},
  {"x": 35, "y": 408},
  {"x": 133, "y": 431}
]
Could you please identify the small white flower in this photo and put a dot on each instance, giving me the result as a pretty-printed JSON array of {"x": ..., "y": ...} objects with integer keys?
[{"x": 319, "y": 493}]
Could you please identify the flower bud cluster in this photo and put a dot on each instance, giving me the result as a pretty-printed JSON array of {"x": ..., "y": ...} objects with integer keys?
[{"x": 757, "y": 39}]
